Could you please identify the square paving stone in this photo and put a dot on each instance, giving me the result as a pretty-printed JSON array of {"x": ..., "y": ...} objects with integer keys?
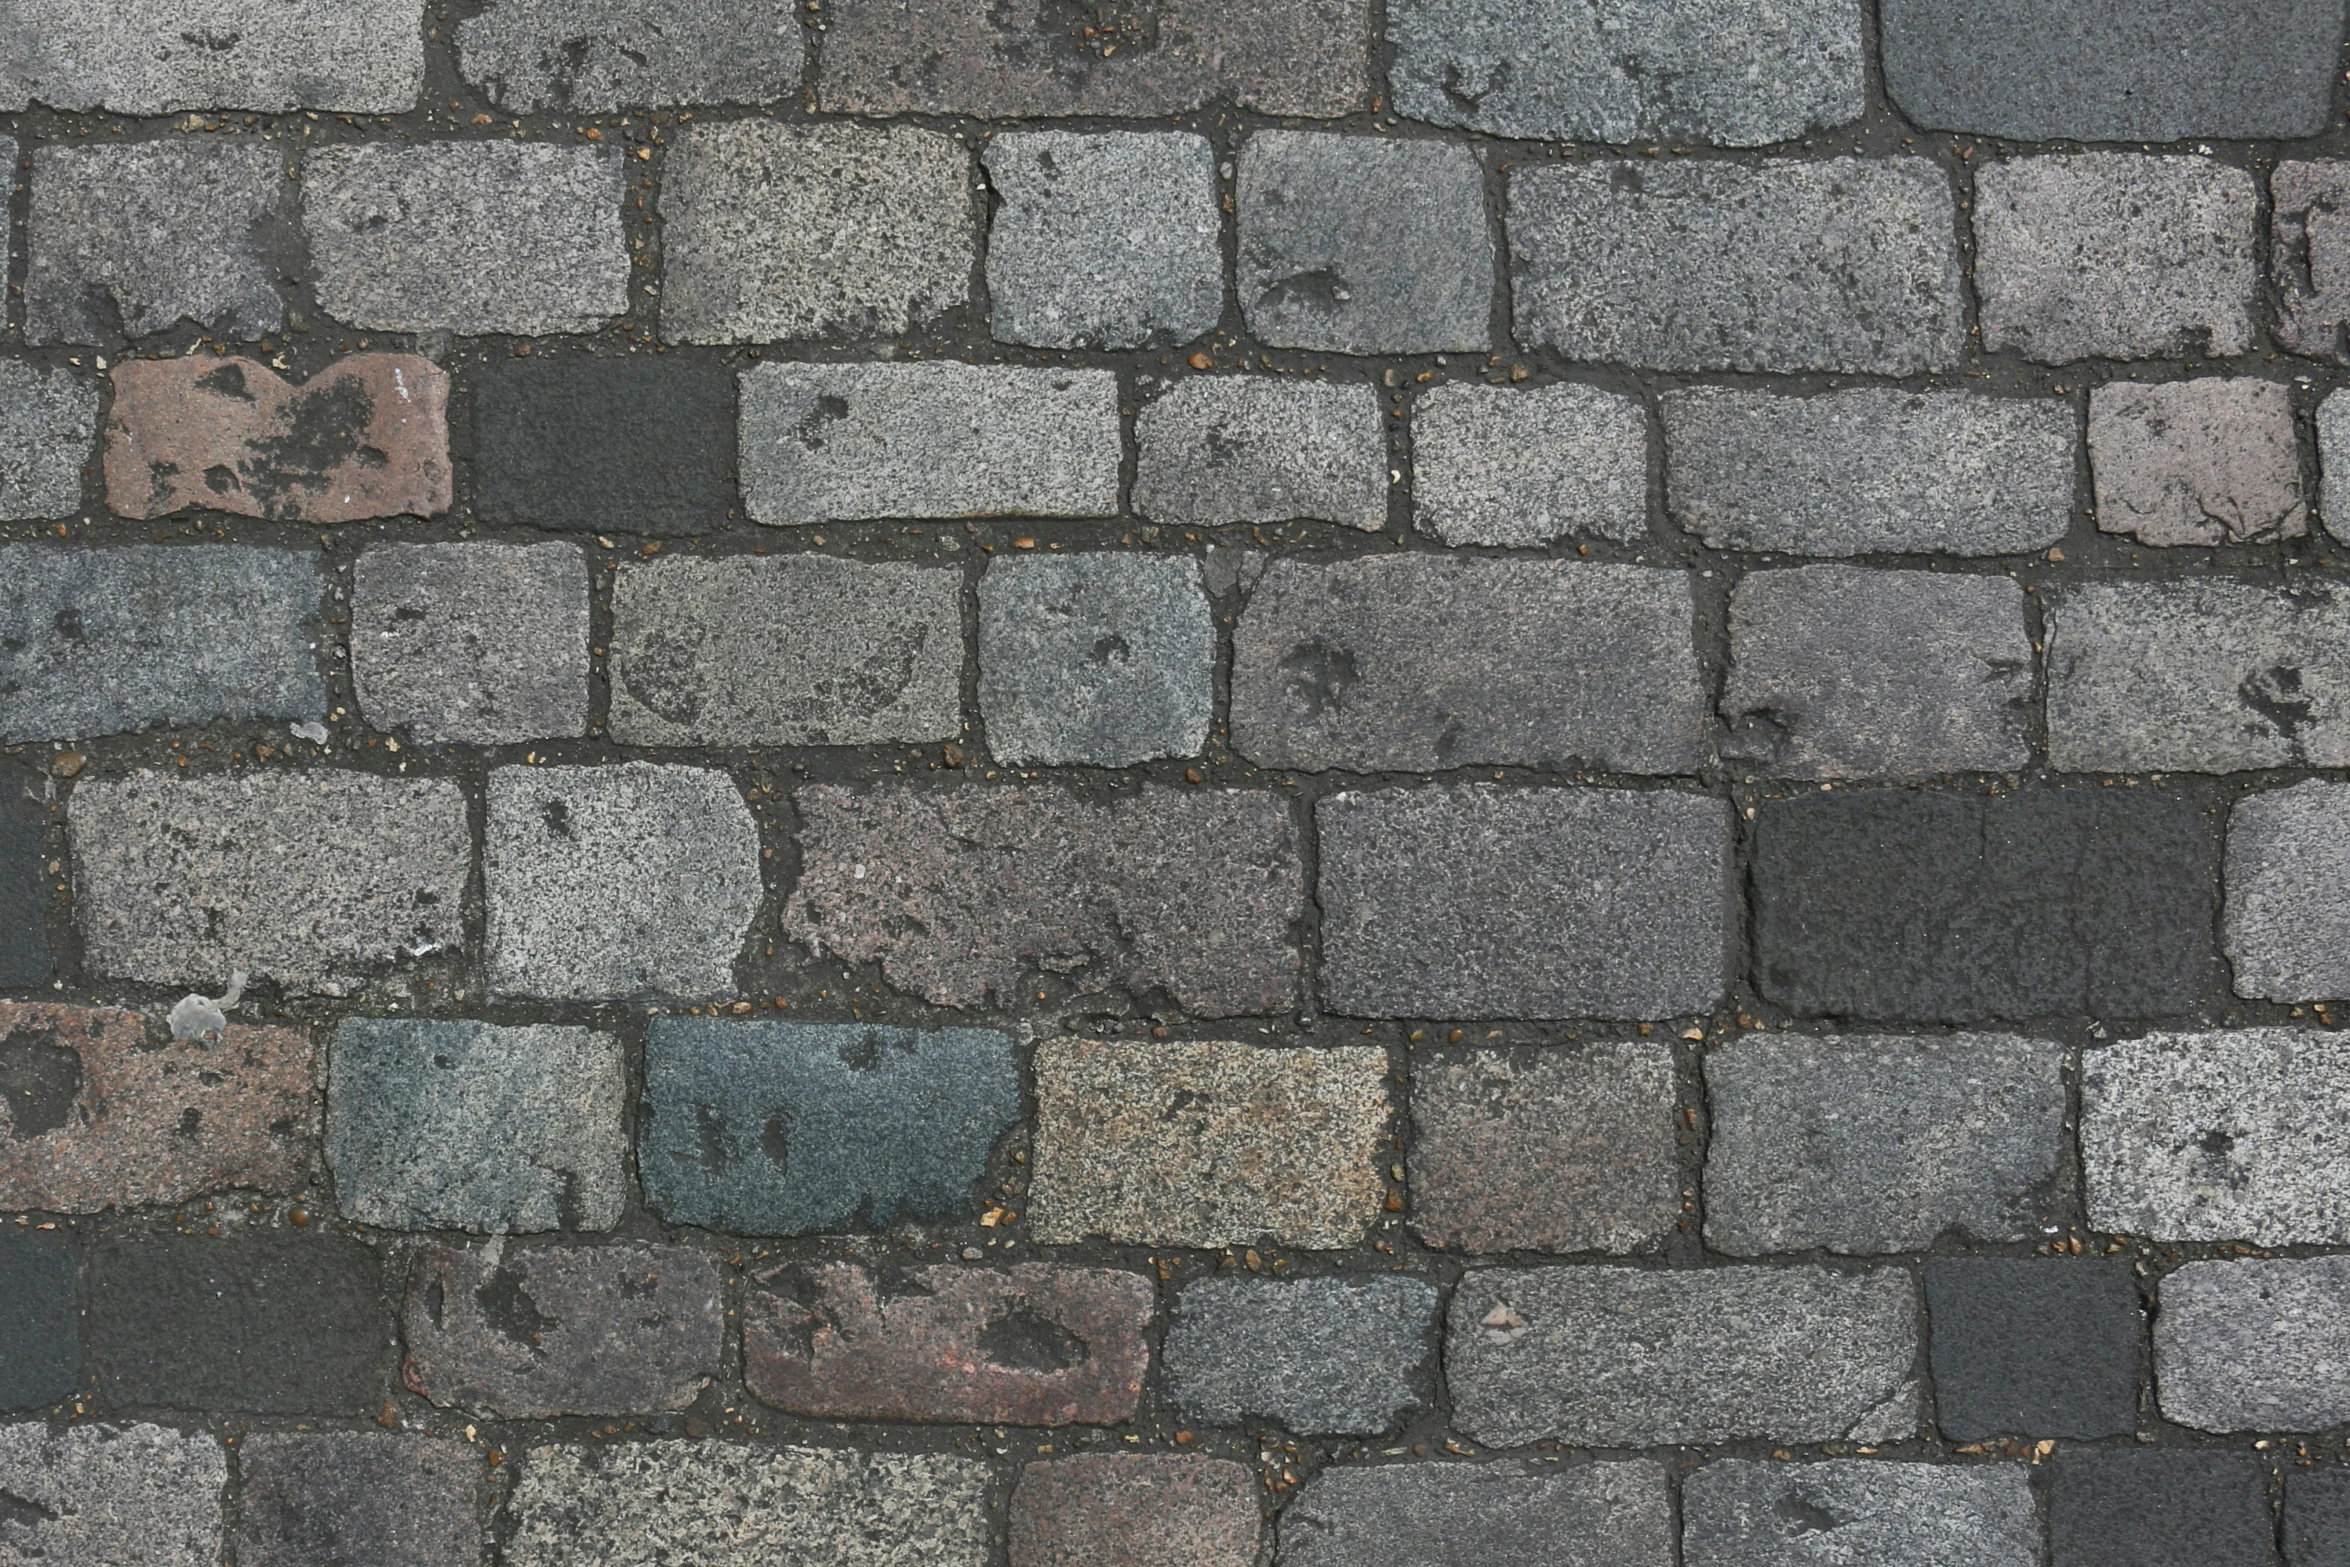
[
  {"x": 2207, "y": 461},
  {"x": 642, "y": 444},
  {"x": 1099, "y": 660},
  {"x": 1332, "y": 1354},
  {"x": 595, "y": 56},
  {"x": 483, "y": 644},
  {"x": 2255, "y": 1344},
  {"x": 1501, "y": 466},
  {"x": 40, "y": 1320},
  {"x": 2035, "y": 1346},
  {"x": 358, "y": 1499},
  {"x": 48, "y": 425},
  {"x": 1135, "y": 1510},
  {"x": 2118, "y": 1507}
]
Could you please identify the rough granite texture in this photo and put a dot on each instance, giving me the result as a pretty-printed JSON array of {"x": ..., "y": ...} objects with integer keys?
[
  {"x": 1232, "y": 449},
  {"x": 1742, "y": 1513},
  {"x": 482, "y": 644},
  {"x": 1499, "y": 467},
  {"x": 1100, "y": 660},
  {"x": 1309, "y": 1355},
  {"x": 2309, "y": 261},
  {"x": 2286, "y": 927},
  {"x": 2041, "y": 1347},
  {"x": 48, "y": 424},
  {"x": 595, "y": 56},
  {"x": 1093, "y": 1508},
  {"x": 1506, "y": 1513},
  {"x": 2255, "y": 1345},
  {"x": 2119, "y": 1507},
  {"x": 40, "y": 1348},
  {"x": 633, "y": 444},
  {"x": 358, "y": 1499},
  {"x": 124, "y": 1495},
  {"x": 2207, "y": 461},
  {"x": 155, "y": 56}
]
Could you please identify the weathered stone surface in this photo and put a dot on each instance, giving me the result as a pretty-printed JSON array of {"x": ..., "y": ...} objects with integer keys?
[
  {"x": 1501, "y": 467},
  {"x": 2317, "y": 1517},
  {"x": 964, "y": 894},
  {"x": 154, "y": 56},
  {"x": 1099, "y": 659},
  {"x": 120, "y": 1495},
  {"x": 40, "y": 1343},
  {"x": 2128, "y": 1507},
  {"x": 1870, "y": 470},
  {"x": 2035, "y": 1346},
  {"x": 2309, "y": 261},
  {"x": 2243, "y": 1135},
  {"x": 2287, "y": 927},
  {"x": 1207, "y": 1144},
  {"x": 1423, "y": 662},
  {"x": 1511, "y": 1513},
  {"x": 1029, "y": 1345},
  {"x": 2208, "y": 461},
  {"x": 793, "y": 1128},
  {"x": 1620, "y": 1357},
  {"x": 1483, "y": 902},
  {"x": 1546, "y": 1149},
  {"x": 2114, "y": 255},
  {"x": 595, "y": 56},
  {"x": 313, "y": 880},
  {"x": 571, "y": 1330},
  {"x": 1103, "y": 241},
  {"x": 357, "y": 1498},
  {"x": 786, "y": 650},
  {"x": 1742, "y": 1513},
  {"x": 129, "y": 239},
  {"x": 48, "y": 424},
  {"x": 637, "y": 444},
  {"x": 778, "y": 231},
  {"x": 1093, "y": 1508},
  {"x": 826, "y": 441},
  {"x": 1224, "y": 449},
  {"x": 483, "y": 644},
  {"x": 2333, "y": 458},
  {"x": 618, "y": 881},
  {"x": 1836, "y": 672},
  {"x": 1332, "y": 1354},
  {"x": 1835, "y": 264},
  {"x": 2255, "y": 1345},
  {"x": 1363, "y": 244},
  {"x": 471, "y": 237},
  {"x": 24, "y": 886}
]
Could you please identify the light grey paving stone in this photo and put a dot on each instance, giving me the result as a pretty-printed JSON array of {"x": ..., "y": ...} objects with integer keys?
[
  {"x": 2196, "y": 675},
  {"x": 48, "y": 428},
  {"x": 2114, "y": 255},
  {"x": 2235, "y": 1136},
  {"x": 1225, "y": 449},
  {"x": 111, "y": 1495},
  {"x": 1837, "y": 672},
  {"x": 1506, "y": 467},
  {"x": 1507, "y": 1513},
  {"x": 1422, "y": 661},
  {"x": 8, "y": 218},
  {"x": 130, "y": 239},
  {"x": 1870, "y": 470},
  {"x": 1738, "y": 74},
  {"x": 1103, "y": 660},
  {"x": 2255, "y": 1344},
  {"x": 1743, "y": 1513},
  {"x": 2309, "y": 259},
  {"x": 470, "y": 237},
  {"x": 154, "y": 56},
  {"x": 1107, "y": 240},
  {"x": 785, "y": 650},
  {"x": 485, "y": 644},
  {"x": 314, "y": 880},
  {"x": 775, "y": 231},
  {"x": 618, "y": 881},
  {"x": 1865, "y": 1143},
  {"x": 1786, "y": 265},
  {"x": 2287, "y": 924},
  {"x": 822, "y": 442},
  {"x": 1625, "y": 1357},
  {"x": 595, "y": 56},
  {"x": 463, "y": 1125},
  {"x": 2214, "y": 460},
  {"x": 2333, "y": 460},
  {"x": 1363, "y": 244},
  {"x": 1333, "y": 1354}
]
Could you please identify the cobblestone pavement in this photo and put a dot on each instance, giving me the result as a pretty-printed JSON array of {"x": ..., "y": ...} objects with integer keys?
[{"x": 1340, "y": 783}]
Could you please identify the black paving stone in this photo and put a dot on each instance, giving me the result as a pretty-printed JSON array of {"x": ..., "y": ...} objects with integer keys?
[
  {"x": 358, "y": 1499},
  {"x": 631, "y": 445},
  {"x": 40, "y": 1349},
  {"x": 2159, "y": 1508},
  {"x": 2317, "y": 1517},
  {"x": 24, "y": 890},
  {"x": 2037, "y": 1347}
]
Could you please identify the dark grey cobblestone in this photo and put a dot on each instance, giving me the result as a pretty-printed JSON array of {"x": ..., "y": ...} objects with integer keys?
[
  {"x": 635, "y": 445},
  {"x": 1747, "y": 1514},
  {"x": 594, "y": 56},
  {"x": 1509, "y": 1511},
  {"x": 40, "y": 1344},
  {"x": 479, "y": 643},
  {"x": 2035, "y": 1346},
  {"x": 1322, "y": 1355},
  {"x": 1097, "y": 659},
  {"x": 2115, "y": 1507},
  {"x": 359, "y": 1499}
]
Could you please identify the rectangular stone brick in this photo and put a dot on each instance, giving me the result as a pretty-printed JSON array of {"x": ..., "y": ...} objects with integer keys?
[
  {"x": 2317, "y": 1517},
  {"x": 358, "y": 1498},
  {"x": 1506, "y": 1513},
  {"x": 1093, "y": 1508},
  {"x": 596, "y": 56},
  {"x": 123, "y": 1495},
  {"x": 2210, "y": 461},
  {"x": 40, "y": 1319},
  {"x": 966, "y": 894},
  {"x": 1031, "y": 1345},
  {"x": 2255, "y": 1345},
  {"x": 2309, "y": 257},
  {"x": 48, "y": 424},
  {"x": 2035, "y": 1346},
  {"x": 2287, "y": 925},
  {"x": 315, "y": 881},
  {"x": 1503, "y": 467},
  {"x": 156, "y": 56},
  {"x": 1837, "y": 264},
  {"x": 1421, "y": 661},
  {"x": 1622, "y": 1357},
  {"x": 1207, "y": 1144},
  {"x": 1475, "y": 901},
  {"x": 786, "y": 650},
  {"x": 1957, "y": 908},
  {"x": 642, "y": 444},
  {"x": 1744, "y": 1513},
  {"x": 1226, "y": 449},
  {"x": 1103, "y": 660},
  {"x": 2127, "y": 1507},
  {"x": 1331, "y": 1354},
  {"x": 848, "y": 441},
  {"x": 482, "y": 644},
  {"x": 24, "y": 886}
]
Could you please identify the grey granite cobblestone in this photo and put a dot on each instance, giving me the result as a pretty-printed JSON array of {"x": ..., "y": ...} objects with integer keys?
[
  {"x": 2208, "y": 461},
  {"x": 2255, "y": 1344},
  {"x": 1507, "y": 1511},
  {"x": 2309, "y": 257},
  {"x": 483, "y": 644},
  {"x": 1500, "y": 467},
  {"x": 595, "y": 56},
  {"x": 154, "y": 56},
  {"x": 124, "y": 1494},
  {"x": 362, "y": 1499},
  {"x": 1742, "y": 1513},
  {"x": 48, "y": 428},
  {"x": 1314, "y": 1355},
  {"x": 2287, "y": 926},
  {"x": 1226, "y": 449},
  {"x": 1097, "y": 659}
]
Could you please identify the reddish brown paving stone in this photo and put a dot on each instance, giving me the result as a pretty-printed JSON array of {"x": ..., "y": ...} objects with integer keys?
[{"x": 1135, "y": 1510}]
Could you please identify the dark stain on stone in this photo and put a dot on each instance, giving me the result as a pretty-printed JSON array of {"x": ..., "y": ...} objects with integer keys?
[
  {"x": 191, "y": 1122},
  {"x": 709, "y": 1141},
  {"x": 323, "y": 431},
  {"x": 557, "y": 814},
  {"x": 1112, "y": 649},
  {"x": 2275, "y": 694},
  {"x": 1025, "y": 1340},
  {"x": 507, "y": 1307},
  {"x": 1322, "y": 290},
  {"x": 40, "y": 1077},
  {"x": 227, "y": 381},
  {"x": 69, "y": 625},
  {"x": 1803, "y": 1515},
  {"x": 2216, "y": 1143},
  {"x": 775, "y": 1139},
  {"x": 1320, "y": 676},
  {"x": 23, "y": 1511},
  {"x": 828, "y": 410}
]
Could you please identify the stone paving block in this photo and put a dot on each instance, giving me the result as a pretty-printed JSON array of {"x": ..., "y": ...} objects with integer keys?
[
  {"x": 2242, "y": 1135},
  {"x": 797, "y": 1128},
  {"x": 40, "y": 1340},
  {"x": 1787, "y": 265},
  {"x": 1226, "y": 449},
  {"x": 471, "y": 237},
  {"x": 121, "y": 1495},
  {"x": 643, "y": 444},
  {"x": 1623, "y": 1357},
  {"x": 1870, "y": 470},
  {"x": 1207, "y": 1144},
  {"x": 2309, "y": 259},
  {"x": 1866, "y": 1143},
  {"x": 48, "y": 427},
  {"x": 1030, "y": 58},
  {"x": 1546, "y": 1149},
  {"x": 1501, "y": 467},
  {"x": 1484, "y": 902},
  {"x": 1035, "y": 1344},
  {"x": 1143, "y": 1509},
  {"x": 1363, "y": 244},
  {"x": 2317, "y": 1517},
  {"x": 359, "y": 1499},
  {"x": 1743, "y": 1513},
  {"x": 1741, "y": 75},
  {"x": 2114, "y": 255},
  {"x": 967, "y": 894},
  {"x": 850, "y": 441},
  {"x": 155, "y": 56},
  {"x": 788, "y": 650},
  {"x": 2287, "y": 929},
  {"x": 2207, "y": 461},
  {"x": 2255, "y": 1345},
  {"x": 1508, "y": 1513},
  {"x": 1836, "y": 672},
  {"x": 1103, "y": 660},
  {"x": 1960, "y": 908},
  {"x": 618, "y": 881},
  {"x": 481, "y": 644},
  {"x": 1331, "y": 1354},
  {"x": 2122, "y": 1507},
  {"x": 1428, "y": 662},
  {"x": 105, "y": 1110},
  {"x": 1103, "y": 241},
  {"x": 24, "y": 889},
  {"x": 776, "y": 231},
  {"x": 313, "y": 880},
  {"x": 735, "y": 1505},
  {"x": 129, "y": 239},
  {"x": 2035, "y": 1346},
  {"x": 595, "y": 56},
  {"x": 465, "y": 1125}
]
